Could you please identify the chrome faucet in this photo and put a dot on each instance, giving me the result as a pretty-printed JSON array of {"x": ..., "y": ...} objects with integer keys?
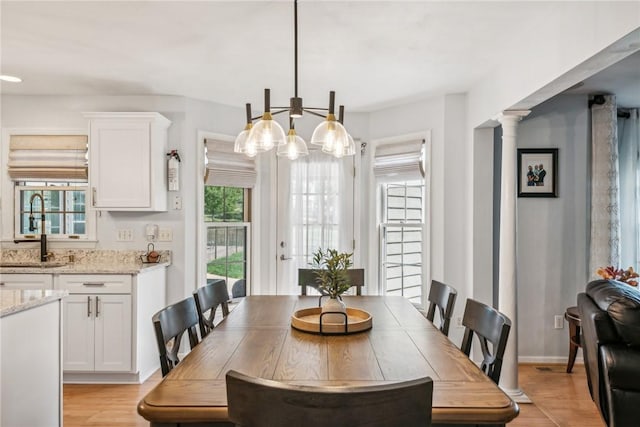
[{"x": 44, "y": 255}]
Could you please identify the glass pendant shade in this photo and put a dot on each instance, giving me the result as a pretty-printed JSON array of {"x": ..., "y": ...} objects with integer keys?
[
  {"x": 294, "y": 146},
  {"x": 350, "y": 148},
  {"x": 330, "y": 134},
  {"x": 240, "y": 145},
  {"x": 265, "y": 134}
]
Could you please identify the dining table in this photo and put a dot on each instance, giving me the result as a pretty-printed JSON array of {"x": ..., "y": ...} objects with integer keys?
[{"x": 257, "y": 339}]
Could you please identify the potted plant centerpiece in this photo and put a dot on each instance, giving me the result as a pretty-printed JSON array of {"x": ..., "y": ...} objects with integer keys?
[{"x": 332, "y": 279}]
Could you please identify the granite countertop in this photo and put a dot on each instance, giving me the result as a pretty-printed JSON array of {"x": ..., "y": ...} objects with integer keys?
[
  {"x": 15, "y": 301},
  {"x": 72, "y": 268}
]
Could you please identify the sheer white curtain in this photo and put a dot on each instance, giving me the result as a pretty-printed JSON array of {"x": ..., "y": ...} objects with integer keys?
[
  {"x": 321, "y": 206},
  {"x": 605, "y": 218},
  {"x": 629, "y": 153}
]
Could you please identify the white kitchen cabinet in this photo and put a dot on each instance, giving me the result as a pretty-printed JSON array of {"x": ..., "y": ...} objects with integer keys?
[
  {"x": 108, "y": 334},
  {"x": 97, "y": 322},
  {"x": 97, "y": 333},
  {"x": 127, "y": 161},
  {"x": 26, "y": 281}
]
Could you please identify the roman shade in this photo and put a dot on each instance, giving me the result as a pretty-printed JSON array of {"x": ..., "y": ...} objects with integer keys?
[
  {"x": 228, "y": 169},
  {"x": 399, "y": 161},
  {"x": 48, "y": 157}
]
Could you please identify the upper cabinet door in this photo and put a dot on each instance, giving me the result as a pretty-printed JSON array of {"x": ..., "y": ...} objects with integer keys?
[{"x": 127, "y": 161}]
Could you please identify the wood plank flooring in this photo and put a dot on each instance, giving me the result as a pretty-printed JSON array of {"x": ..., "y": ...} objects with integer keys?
[{"x": 560, "y": 400}]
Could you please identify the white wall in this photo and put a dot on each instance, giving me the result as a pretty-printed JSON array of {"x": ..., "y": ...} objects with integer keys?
[
  {"x": 553, "y": 232},
  {"x": 573, "y": 33}
]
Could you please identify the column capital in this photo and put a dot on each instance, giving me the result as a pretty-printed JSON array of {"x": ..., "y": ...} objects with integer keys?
[{"x": 512, "y": 116}]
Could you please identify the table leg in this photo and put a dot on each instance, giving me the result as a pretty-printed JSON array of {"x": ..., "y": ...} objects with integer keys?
[{"x": 573, "y": 346}]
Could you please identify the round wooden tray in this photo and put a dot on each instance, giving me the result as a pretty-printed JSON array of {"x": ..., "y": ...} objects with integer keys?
[{"x": 308, "y": 320}]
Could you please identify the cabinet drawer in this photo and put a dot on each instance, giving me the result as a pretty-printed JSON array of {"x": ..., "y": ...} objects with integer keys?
[
  {"x": 26, "y": 281},
  {"x": 95, "y": 283}
]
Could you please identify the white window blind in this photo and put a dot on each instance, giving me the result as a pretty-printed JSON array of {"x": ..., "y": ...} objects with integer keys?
[
  {"x": 228, "y": 169},
  {"x": 50, "y": 157},
  {"x": 399, "y": 161}
]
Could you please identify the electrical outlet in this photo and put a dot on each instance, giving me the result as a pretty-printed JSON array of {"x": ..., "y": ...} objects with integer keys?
[
  {"x": 165, "y": 235},
  {"x": 125, "y": 235},
  {"x": 558, "y": 321}
]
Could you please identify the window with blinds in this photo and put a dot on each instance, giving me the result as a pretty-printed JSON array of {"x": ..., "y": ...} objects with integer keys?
[
  {"x": 55, "y": 167},
  {"x": 226, "y": 168},
  {"x": 48, "y": 157},
  {"x": 397, "y": 162}
]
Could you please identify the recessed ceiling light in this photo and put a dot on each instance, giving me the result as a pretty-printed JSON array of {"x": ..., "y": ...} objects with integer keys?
[{"x": 11, "y": 79}]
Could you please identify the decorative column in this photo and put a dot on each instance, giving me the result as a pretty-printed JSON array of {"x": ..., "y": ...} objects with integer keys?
[{"x": 507, "y": 282}]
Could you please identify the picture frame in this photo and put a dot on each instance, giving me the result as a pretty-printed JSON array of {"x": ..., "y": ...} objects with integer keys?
[{"x": 537, "y": 172}]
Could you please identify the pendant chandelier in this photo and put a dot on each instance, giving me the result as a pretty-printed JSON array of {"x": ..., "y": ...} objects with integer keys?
[{"x": 266, "y": 133}]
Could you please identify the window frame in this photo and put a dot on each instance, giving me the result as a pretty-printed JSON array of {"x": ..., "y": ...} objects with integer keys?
[
  {"x": 386, "y": 224},
  {"x": 224, "y": 223},
  {"x": 90, "y": 216}
]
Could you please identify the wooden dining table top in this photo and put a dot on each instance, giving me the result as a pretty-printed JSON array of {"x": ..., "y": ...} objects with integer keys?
[{"x": 257, "y": 339}]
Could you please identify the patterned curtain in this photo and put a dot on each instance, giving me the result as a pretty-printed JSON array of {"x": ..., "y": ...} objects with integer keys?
[
  {"x": 605, "y": 217},
  {"x": 629, "y": 152}
]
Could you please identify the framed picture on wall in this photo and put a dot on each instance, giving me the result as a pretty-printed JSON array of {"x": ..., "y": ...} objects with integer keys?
[{"x": 538, "y": 172}]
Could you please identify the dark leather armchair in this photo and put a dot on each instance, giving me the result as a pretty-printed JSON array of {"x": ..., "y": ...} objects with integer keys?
[{"x": 610, "y": 316}]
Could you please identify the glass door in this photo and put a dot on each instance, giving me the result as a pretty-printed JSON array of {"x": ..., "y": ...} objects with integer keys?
[{"x": 315, "y": 210}]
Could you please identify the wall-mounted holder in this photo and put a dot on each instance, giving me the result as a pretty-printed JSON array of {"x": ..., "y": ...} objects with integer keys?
[{"x": 151, "y": 257}]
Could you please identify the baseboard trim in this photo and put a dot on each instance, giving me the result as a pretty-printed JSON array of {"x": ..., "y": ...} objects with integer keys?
[{"x": 548, "y": 359}]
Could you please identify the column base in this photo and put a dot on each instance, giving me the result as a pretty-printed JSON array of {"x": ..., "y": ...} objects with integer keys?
[{"x": 517, "y": 395}]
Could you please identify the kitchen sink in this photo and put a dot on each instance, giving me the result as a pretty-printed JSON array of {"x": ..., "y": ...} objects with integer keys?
[{"x": 32, "y": 264}]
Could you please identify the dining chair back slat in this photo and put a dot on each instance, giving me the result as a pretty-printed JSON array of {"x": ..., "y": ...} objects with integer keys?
[
  {"x": 259, "y": 402},
  {"x": 307, "y": 277},
  {"x": 443, "y": 298},
  {"x": 169, "y": 325},
  {"x": 207, "y": 299},
  {"x": 491, "y": 327}
]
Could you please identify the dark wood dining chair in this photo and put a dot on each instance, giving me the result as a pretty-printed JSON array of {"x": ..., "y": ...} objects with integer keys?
[
  {"x": 170, "y": 324},
  {"x": 259, "y": 402},
  {"x": 307, "y": 277},
  {"x": 490, "y": 326},
  {"x": 207, "y": 299},
  {"x": 442, "y": 297}
]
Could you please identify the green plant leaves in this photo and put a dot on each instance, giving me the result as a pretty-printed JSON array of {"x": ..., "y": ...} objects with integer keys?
[{"x": 331, "y": 271}]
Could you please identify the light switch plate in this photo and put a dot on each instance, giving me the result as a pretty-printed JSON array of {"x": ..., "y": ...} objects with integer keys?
[{"x": 125, "y": 235}]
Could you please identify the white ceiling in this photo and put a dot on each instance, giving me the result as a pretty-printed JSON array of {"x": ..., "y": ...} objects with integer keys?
[{"x": 373, "y": 54}]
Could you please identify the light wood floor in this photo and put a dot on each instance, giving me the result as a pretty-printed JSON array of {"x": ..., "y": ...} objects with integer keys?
[{"x": 560, "y": 399}]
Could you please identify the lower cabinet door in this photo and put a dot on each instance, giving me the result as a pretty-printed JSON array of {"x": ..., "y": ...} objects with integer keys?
[
  {"x": 112, "y": 333},
  {"x": 78, "y": 336}
]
